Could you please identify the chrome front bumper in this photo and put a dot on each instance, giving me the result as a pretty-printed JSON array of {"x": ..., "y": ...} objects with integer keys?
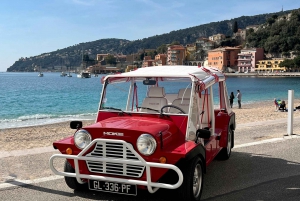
[{"x": 121, "y": 155}]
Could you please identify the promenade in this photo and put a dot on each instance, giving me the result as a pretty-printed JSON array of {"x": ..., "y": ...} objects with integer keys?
[{"x": 264, "y": 157}]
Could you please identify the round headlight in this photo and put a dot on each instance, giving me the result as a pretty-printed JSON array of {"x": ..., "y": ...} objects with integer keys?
[
  {"x": 82, "y": 139},
  {"x": 146, "y": 144}
]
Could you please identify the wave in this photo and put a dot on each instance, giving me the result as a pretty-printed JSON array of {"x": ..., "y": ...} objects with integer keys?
[{"x": 42, "y": 119}]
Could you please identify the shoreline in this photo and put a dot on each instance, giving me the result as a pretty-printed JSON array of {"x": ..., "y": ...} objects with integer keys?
[{"x": 29, "y": 137}]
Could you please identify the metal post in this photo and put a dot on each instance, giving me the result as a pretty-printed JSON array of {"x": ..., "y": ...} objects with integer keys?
[{"x": 290, "y": 112}]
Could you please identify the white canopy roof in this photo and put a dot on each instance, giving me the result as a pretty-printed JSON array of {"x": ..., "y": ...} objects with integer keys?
[{"x": 205, "y": 74}]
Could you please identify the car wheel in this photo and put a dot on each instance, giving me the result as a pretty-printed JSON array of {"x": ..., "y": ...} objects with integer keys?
[
  {"x": 71, "y": 181},
  {"x": 191, "y": 188},
  {"x": 226, "y": 151}
]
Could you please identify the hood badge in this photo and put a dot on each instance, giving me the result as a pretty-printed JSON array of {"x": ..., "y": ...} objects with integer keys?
[{"x": 113, "y": 133}]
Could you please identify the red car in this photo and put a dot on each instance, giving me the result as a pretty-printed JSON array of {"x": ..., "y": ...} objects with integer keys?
[{"x": 156, "y": 127}]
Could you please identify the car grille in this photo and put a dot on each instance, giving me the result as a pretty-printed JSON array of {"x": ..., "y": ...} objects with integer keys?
[{"x": 114, "y": 150}]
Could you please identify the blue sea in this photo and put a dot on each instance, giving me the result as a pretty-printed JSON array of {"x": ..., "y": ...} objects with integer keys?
[{"x": 27, "y": 100}]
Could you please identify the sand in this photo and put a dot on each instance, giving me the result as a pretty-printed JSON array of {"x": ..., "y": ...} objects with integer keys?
[{"x": 43, "y": 136}]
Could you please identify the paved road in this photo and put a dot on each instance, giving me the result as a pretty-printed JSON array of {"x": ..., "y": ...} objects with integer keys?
[{"x": 257, "y": 170}]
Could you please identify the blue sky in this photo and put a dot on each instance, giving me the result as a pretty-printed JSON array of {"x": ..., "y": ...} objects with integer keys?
[{"x": 32, "y": 27}]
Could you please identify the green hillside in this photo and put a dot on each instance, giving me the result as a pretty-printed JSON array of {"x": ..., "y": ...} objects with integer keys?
[{"x": 72, "y": 56}]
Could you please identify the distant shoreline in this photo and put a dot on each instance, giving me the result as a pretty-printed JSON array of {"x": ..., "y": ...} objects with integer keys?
[{"x": 286, "y": 74}]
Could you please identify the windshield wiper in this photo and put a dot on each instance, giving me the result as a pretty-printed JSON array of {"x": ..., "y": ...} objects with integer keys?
[
  {"x": 118, "y": 109},
  {"x": 147, "y": 108}
]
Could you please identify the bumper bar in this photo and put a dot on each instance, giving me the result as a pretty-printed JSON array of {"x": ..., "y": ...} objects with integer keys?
[{"x": 151, "y": 186}]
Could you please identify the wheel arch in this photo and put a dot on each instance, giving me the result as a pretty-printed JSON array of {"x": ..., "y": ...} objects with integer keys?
[{"x": 198, "y": 151}]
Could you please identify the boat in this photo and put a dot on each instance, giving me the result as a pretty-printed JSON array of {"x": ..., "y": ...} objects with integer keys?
[
  {"x": 41, "y": 74},
  {"x": 69, "y": 75},
  {"x": 63, "y": 74},
  {"x": 84, "y": 74}
]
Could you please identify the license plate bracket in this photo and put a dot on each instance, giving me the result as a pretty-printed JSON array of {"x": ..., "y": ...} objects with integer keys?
[{"x": 112, "y": 187}]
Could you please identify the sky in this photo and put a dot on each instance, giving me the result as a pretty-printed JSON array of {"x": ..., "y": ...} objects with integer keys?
[{"x": 32, "y": 27}]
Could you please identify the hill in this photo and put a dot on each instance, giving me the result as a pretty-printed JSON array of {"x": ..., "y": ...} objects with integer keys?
[{"x": 72, "y": 56}]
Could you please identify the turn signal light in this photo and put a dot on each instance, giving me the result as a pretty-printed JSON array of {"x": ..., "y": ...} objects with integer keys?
[
  {"x": 69, "y": 151},
  {"x": 162, "y": 160}
]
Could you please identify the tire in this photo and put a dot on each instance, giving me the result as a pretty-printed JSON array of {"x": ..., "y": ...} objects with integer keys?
[
  {"x": 71, "y": 181},
  {"x": 191, "y": 188},
  {"x": 226, "y": 151}
]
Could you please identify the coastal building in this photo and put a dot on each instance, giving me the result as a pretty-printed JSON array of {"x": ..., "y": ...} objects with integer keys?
[
  {"x": 248, "y": 58},
  {"x": 202, "y": 46},
  {"x": 100, "y": 57},
  {"x": 240, "y": 36},
  {"x": 190, "y": 52},
  {"x": 130, "y": 58},
  {"x": 270, "y": 66},
  {"x": 176, "y": 55},
  {"x": 224, "y": 58},
  {"x": 130, "y": 68},
  {"x": 160, "y": 60},
  {"x": 148, "y": 61},
  {"x": 217, "y": 38}
]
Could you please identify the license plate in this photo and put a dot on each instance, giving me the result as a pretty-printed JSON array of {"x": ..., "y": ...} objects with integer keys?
[{"x": 112, "y": 187}]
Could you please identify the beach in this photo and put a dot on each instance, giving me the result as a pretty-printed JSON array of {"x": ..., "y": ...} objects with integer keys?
[{"x": 12, "y": 139}]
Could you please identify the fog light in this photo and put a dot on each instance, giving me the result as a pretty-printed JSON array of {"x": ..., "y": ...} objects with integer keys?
[
  {"x": 162, "y": 160},
  {"x": 69, "y": 151}
]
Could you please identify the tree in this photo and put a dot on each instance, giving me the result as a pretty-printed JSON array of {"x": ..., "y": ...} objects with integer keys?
[
  {"x": 288, "y": 63},
  {"x": 235, "y": 27},
  {"x": 286, "y": 54},
  {"x": 297, "y": 61},
  {"x": 175, "y": 43},
  {"x": 110, "y": 59},
  {"x": 162, "y": 49},
  {"x": 270, "y": 20}
]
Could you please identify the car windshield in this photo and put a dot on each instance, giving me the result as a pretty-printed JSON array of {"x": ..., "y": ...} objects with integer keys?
[{"x": 117, "y": 95}]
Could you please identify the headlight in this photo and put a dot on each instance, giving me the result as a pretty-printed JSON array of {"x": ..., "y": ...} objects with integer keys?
[
  {"x": 82, "y": 139},
  {"x": 146, "y": 144}
]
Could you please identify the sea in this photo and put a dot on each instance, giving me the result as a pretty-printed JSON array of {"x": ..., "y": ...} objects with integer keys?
[{"x": 29, "y": 100}]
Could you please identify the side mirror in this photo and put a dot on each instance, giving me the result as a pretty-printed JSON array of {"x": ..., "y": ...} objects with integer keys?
[
  {"x": 76, "y": 124},
  {"x": 203, "y": 133}
]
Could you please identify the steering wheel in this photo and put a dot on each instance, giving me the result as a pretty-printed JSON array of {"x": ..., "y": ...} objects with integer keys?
[{"x": 173, "y": 106}]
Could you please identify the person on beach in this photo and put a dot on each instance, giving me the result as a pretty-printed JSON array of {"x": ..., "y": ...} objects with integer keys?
[
  {"x": 231, "y": 97},
  {"x": 282, "y": 106},
  {"x": 239, "y": 97},
  {"x": 276, "y": 104}
]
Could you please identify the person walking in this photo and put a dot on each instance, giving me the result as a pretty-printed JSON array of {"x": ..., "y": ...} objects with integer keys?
[
  {"x": 239, "y": 97},
  {"x": 276, "y": 104},
  {"x": 231, "y": 97}
]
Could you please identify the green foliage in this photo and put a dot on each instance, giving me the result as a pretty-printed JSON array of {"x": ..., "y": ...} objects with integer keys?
[
  {"x": 297, "y": 61},
  {"x": 289, "y": 63},
  {"x": 235, "y": 27},
  {"x": 110, "y": 59},
  {"x": 175, "y": 43},
  {"x": 162, "y": 49},
  {"x": 277, "y": 36}
]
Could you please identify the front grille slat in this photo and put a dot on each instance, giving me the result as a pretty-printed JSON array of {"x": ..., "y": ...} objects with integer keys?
[{"x": 114, "y": 150}]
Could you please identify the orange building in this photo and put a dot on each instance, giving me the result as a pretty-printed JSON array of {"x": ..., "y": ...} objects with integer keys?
[
  {"x": 224, "y": 58},
  {"x": 147, "y": 61},
  {"x": 176, "y": 55}
]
